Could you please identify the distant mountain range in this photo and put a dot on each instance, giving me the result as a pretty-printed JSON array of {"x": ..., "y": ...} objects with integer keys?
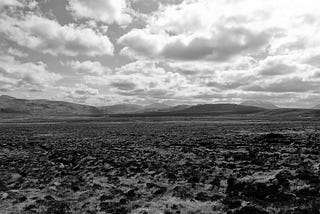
[
  {"x": 132, "y": 108},
  {"x": 40, "y": 107},
  {"x": 220, "y": 109},
  {"x": 316, "y": 107},
  {"x": 11, "y": 107},
  {"x": 260, "y": 104},
  {"x": 121, "y": 108}
]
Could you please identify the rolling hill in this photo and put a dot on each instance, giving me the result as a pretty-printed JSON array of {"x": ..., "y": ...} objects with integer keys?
[
  {"x": 154, "y": 107},
  {"x": 316, "y": 107},
  {"x": 220, "y": 109},
  {"x": 174, "y": 108},
  {"x": 291, "y": 113},
  {"x": 121, "y": 108},
  {"x": 41, "y": 108},
  {"x": 11, "y": 107},
  {"x": 233, "y": 111},
  {"x": 260, "y": 104},
  {"x": 132, "y": 108},
  {"x": 204, "y": 109}
]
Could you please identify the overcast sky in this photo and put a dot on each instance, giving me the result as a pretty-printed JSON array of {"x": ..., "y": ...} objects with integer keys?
[{"x": 102, "y": 52}]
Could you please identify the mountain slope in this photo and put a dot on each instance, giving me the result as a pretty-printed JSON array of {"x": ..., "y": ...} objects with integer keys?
[
  {"x": 204, "y": 109},
  {"x": 234, "y": 111},
  {"x": 175, "y": 108},
  {"x": 316, "y": 107},
  {"x": 11, "y": 105},
  {"x": 221, "y": 109},
  {"x": 121, "y": 108},
  {"x": 290, "y": 113},
  {"x": 155, "y": 107},
  {"x": 259, "y": 104},
  {"x": 132, "y": 108}
]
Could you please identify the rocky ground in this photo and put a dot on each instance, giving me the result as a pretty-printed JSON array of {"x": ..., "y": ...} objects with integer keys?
[{"x": 160, "y": 167}]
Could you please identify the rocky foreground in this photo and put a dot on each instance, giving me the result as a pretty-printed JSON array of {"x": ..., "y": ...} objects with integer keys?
[{"x": 160, "y": 167}]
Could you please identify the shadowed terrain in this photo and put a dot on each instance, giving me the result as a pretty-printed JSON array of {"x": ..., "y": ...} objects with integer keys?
[{"x": 197, "y": 165}]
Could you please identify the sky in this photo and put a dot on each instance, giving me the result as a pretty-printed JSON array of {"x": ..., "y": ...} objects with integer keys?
[{"x": 104, "y": 52}]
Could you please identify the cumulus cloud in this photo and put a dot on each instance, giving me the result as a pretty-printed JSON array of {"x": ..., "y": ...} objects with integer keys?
[
  {"x": 195, "y": 30},
  {"x": 140, "y": 79},
  {"x": 180, "y": 51},
  {"x": 216, "y": 46},
  {"x": 84, "y": 90},
  {"x": 314, "y": 60},
  {"x": 276, "y": 69},
  {"x": 48, "y": 36},
  {"x": 124, "y": 85},
  {"x": 31, "y": 76},
  {"x": 10, "y": 3},
  {"x": 17, "y": 52},
  {"x": 107, "y": 11},
  {"x": 277, "y": 65},
  {"x": 141, "y": 42},
  {"x": 287, "y": 85},
  {"x": 221, "y": 30},
  {"x": 78, "y": 93},
  {"x": 88, "y": 67}
]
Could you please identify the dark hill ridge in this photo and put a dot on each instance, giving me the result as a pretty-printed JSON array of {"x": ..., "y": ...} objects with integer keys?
[
  {"x": 234, "y": 111},
  {"x": 157, "y": 106},
  {"x": 132, "y": 108},
  {"x": 316, "y": 107},
  {"x": 11, "y": 105},
  {"x": 121, "y": 108},
  {"x": 222, "y": 108},
  {"x": 41, "y": 107},
  {"x": 204, "y": 109},
  {"x": 260, "y": 104},
  {"x": 291, "y": 113},
  {"x": 175, "y": 108},
  {"x": 154, "y": 107}
]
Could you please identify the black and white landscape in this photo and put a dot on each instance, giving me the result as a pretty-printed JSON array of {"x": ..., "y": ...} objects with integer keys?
[{"x": 159, "y": 107}]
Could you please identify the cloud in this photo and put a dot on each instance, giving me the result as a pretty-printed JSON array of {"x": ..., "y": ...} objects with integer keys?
[
  {"x": 84, "y": 90},
  {"x": 286, "y": 85},
  {"x": 16, "y": 52},
  {"x": 210, "y": 68},
  {"x": 150, "y": 6},
  {"x": 191, "y": 51},
  {"x": 31, "y": 76},
  {"x": 107, "y": 11},
  {"x": 142, "y": 42},
  {"x": 274, "y": 66},
  {"x": 142, "y": 67},
  {"x": 141, "y": 79},
  {"x": 88, "y": 67},
  {"x": 196, "y": 30},
  {"x": 124, "y": 86},
  {"x": 217, "y": 47},
  {"x": 78, "y": 93},
  {"x": 10, "y": 3},
  {"x": 220, "y": 46},
  {"x": 162, "y": 94},
  {"x": 222, "y": 30},
  {"x": 314, "y": 60},
  {"x": 48, "y": 36}
]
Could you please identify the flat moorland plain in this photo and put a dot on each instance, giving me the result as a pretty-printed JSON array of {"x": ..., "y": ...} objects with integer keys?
[{"x": 146, "y": 166}]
